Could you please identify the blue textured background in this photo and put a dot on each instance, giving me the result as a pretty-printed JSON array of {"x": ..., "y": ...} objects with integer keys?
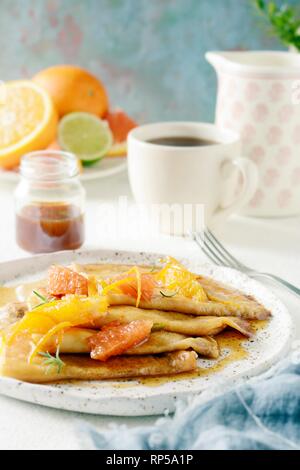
[{"x": 149, "y": 53}]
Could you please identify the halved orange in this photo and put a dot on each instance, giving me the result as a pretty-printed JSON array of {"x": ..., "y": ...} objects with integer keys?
[{"x": 28, "y": 121}]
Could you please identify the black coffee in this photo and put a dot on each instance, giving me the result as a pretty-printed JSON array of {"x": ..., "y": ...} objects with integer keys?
[{"x": 181, "y": 141}]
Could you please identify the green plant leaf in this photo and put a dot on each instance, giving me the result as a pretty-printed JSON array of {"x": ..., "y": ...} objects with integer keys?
[{"x": 283, "y": 21}]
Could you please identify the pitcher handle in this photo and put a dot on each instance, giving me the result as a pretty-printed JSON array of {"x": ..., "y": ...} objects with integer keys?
[{"x": 249, "y": 173}]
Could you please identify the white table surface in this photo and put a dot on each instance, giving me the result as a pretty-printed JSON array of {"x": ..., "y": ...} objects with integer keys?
[{"x": 267, "y": 244}]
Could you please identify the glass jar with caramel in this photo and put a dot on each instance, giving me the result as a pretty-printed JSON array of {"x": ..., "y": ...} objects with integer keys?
[{"x": 49, "y": 203}]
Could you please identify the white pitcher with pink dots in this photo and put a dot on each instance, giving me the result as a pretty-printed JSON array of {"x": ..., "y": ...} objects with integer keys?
[{"x": 259, "y": 97}]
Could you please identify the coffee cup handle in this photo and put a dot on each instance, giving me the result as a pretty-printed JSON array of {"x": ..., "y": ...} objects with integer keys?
[{"x": 249, "y": 173}]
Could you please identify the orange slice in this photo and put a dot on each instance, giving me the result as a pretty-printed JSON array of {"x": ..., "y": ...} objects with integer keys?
[
  {"x": 28, "y": 121},
  {"x": 176, "y": 278},
  {"x": 74, "y": 310}
]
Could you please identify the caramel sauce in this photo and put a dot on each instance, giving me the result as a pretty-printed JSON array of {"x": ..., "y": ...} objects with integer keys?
[
  {"x": 47, "y": 227},
  {"x": 229, "y": 340}
]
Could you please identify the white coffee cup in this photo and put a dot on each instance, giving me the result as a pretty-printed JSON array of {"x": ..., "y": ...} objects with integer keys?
[{"x": 214, "y": 175}]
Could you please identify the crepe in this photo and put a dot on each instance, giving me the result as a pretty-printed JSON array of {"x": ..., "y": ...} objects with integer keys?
[
  {"x": 221, "y": 300},
  {"x": 163, "y": 341},
  {"x": 177, "y": 322},
  {"x": 75, "y": 341},
  {"x": 80, "y": 367},
  {"x": 174, "y": 322}
]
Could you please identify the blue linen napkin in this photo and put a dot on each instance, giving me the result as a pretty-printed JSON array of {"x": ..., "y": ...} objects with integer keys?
[{"x": 263, "y": 414}]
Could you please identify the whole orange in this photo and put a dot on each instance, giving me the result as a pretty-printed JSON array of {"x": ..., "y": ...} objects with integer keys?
[{"x": 73, "y": 89}]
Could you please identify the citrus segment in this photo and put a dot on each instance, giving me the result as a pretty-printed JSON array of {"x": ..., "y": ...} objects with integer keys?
[
  {"x": 176, "y": 278},
  {"x": 75, "y": 310},
  {"x": 114, "y": 340},
  {"x": 138, "y": 285},
  {"x": 63, "y": 281}
]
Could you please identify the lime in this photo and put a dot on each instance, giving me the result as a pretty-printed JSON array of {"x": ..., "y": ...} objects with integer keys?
[{"x": 85, "y": 135}]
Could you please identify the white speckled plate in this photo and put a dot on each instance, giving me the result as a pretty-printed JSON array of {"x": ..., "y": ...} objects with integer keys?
[
  {"x": 132, "y": 398},
  {"x": 105, "y": 168}
]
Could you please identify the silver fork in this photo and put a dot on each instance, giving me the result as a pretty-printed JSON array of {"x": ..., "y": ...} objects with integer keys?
[{"x": 218, "y": 254}]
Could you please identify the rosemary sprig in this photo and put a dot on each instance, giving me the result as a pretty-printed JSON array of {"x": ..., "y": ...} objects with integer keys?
[
  {"x": 153, "y": 269},
  {"x": 169, "y": 295},
  {"x": 158, "y": 326},
  {"x": 40, "y": 296},
  {"x": 283, "y": 20},
  {"x": 43, "y": 299},
  {"x": 52, "y": 361}
]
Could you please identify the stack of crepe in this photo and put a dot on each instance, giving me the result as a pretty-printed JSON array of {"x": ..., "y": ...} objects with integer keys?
[{"x": 96, "y": 322}]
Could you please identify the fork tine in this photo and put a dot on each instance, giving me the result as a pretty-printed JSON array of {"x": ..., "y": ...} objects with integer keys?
[
  {"x": 213, "y": 254},
  {"x": 207, "y": 250},
  {"x": 210, "y": 255},
  {"x": 221, "y": 248}
]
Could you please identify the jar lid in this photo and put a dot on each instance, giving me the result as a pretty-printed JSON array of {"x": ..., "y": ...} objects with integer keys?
[{"x": 49, "y": 165}]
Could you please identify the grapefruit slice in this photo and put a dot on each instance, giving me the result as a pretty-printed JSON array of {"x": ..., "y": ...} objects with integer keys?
[
  {"x": 64, "y": 281},
  {"x": 148, "y": 285},
  {"x": 115, "y": 340},
  {"x": 120, "y": 124}
]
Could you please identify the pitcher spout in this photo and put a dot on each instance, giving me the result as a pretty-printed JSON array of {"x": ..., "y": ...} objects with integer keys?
[
  {"x": 218, "y": 59},
  {"x": 259, "y": 64}
]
